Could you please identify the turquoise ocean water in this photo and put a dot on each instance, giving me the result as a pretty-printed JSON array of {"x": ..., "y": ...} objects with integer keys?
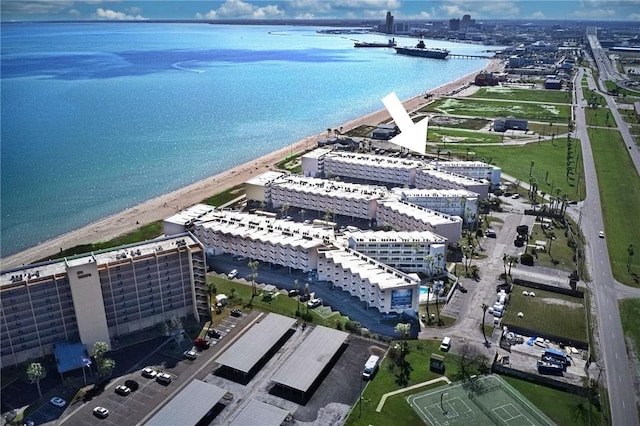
[{"x": 98, "y": 117}]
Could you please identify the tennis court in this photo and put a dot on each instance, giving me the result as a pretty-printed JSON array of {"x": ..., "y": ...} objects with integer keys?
[{"x": 486, "y": 400}]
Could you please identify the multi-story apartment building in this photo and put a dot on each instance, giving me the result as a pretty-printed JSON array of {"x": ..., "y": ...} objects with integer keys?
[
  {"x": 454, "y": 202},
  {"x": 473, "y": 169},
  {"x": 100, "y": 296},
  {"x": 402, "y": 216},
  {"x": 322, "y": 195},
  {"x": 438, "y": 179},
  {"x": 379, "y": 285},
  {"x": 407, "y": 251}
]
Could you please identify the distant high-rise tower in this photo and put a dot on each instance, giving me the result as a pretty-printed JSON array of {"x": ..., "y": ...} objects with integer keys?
[
  {"x": 454, "y": 24},
  {"x": 389, "y": 23}
]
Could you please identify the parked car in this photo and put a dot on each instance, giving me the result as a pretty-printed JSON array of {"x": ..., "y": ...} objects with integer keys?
[
  {"x": 163, "y": 378},
  {"x": 515, "y": 196},
  {"x": 293, "y": 293},
  {"x": 304, "y": 297},
  {"x": 214, "y": 333},
  {"x": 490, "y": 233},
  {"x": 122, "y": 390},
  {"x": 314, "y": 303},
  {"x": 462, "y": 289},
  {"x": 149, "y": 373},
  {"x": 58, "y": 402},
  {"x": 101, "y": 412},
  {"x": 232, "y": 274},
  {"x": 601, "y": 234},
  {"x": 190, "y": 354},
  {"x": 236, "y": 313},
  {"x": 200, "y": 343}
]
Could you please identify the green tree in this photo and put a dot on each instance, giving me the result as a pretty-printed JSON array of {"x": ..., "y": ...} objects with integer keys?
[
  {"x": 212, "y": 289},
  {"x": 302, "y": 212},
  {"x": 36, "y": 372},
  {"x": 296, "y": 286},
  {"x": 173, "y": 328},
  {"x": 253, "y": 265},
  {"x": 99, "y": 350},
  {"x": 402, "y": 378},
  {"x": 283, "y": 210},
  {"x": 104, "y": 365},
  {"x": 307, "y": 293}
]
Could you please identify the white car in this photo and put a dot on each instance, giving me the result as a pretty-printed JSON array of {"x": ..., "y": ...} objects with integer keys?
[
  {"x": 191, "y": 354},
  {"x": 149, "y": 372},
  {"x": 58, "y": 402},
  {"x": 101, "y": 412},
  {"x": 601, "y": 234},
  {"x": 515, "y": 196},
  {"x": 163, "y": 378},
  {"x": 314, "y": 303},
  {"x": 231, "y": 275}
]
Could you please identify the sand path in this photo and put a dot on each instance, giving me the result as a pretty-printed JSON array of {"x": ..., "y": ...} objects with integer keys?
[{"x": 168, "y": 204}]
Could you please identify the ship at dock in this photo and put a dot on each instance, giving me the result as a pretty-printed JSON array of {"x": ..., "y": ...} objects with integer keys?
[
  {"x": 390, "y": 43},
  {"x": 422, "y": 51}
]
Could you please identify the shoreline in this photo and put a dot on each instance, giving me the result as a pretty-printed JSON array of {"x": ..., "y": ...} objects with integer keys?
[{"x": 165, "y": 205}]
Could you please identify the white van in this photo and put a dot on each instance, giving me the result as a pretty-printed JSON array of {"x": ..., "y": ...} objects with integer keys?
[
  {"x": 446, "y": 344},
  {"x": 370, "y": 367}
]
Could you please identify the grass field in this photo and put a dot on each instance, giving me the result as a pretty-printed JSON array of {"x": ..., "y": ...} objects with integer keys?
[
  {"x": 534, "y": 95},
  {"x": 619, "y": 185},
  {"x": 549, "y": 164},
  {"x": 448, "y": 135},
  {"x": 556, "y": 249},
  {"x": 492, "y": 109},
  {"x": 548, "y": 129},
  {"x": 599, "y": 117},
  {"x": 547, "y": 312},
  {"x": 629, "y": 314}
]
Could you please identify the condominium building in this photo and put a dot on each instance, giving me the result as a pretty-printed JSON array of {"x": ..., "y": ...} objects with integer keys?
[
  {"x": 100, "y": 296},
  {"x": 378, "y": 285},
  {"x": 438, "y": 179},
  {"x": 262, "y": 238},
  {"x": 406, "y": 251},
  {"x": 323, "y": 195},
  {"x": 258, "y": 187},
  {"x": 402, "y": 216},
  {"x": 455, "y": 202},
  {"x": 473, "y": 169}
]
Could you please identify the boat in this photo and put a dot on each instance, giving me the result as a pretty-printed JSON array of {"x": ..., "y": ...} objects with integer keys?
[
  {"x": 390, "y": 43},
  {"x": 422, "y": 51}
]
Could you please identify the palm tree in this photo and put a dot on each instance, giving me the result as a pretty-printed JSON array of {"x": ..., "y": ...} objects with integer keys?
[
  {"x": 36, "y": 372},
  {"x": 283, "y": 210},
  {"x": 629, "y": 255},
  {"x": 302, "y": 212},
  {"x": 484, "y": 311},
  {"x": 296, "y": 286},
  {"x": 307, "y": 292},
  {"x": 253, "y": 265},
  {"x": 429, "y": 259},
  {"x": 212, "y": 289},
  {"x": 512, "y": 260}
]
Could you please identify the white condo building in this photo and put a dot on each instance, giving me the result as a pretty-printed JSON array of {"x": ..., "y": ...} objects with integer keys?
[
  {"x": 437, "y": 179},
  {"x": 402, "y": 216},
  {"x": 455, "y": 202},
  {"x": 473, "y": 169},
  {"x": 407, "y": 251},
  {"x": 379, "y": 285}
]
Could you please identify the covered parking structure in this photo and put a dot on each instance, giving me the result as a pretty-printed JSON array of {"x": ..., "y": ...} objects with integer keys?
[
  {"x": 260, "y": 413},
  {"x": 252, "y": 351},
  {"x": 305, "y": 369},
  {"x": 195, "y": 402}
]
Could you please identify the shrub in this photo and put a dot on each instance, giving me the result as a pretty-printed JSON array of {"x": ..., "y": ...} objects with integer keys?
[
  {"x": 353, "y": 326},
  {"x": 526, "y": 259}
]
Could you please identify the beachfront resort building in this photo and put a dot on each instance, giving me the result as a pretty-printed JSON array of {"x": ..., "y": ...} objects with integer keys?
[
  {"x": 473, "y": 169},
  {"x": 454, "y": 202},
  {"x": 428, "y": 178},
  {"x": 378, "y": 285},
  {"x": 407, "y": 251},
  {"x": 402, "y": 216},
  {"x": 100, "y": 296}
]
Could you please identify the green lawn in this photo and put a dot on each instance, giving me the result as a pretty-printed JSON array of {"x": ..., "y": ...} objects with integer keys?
[
  {"x": 563, "y": 316},
  {"x": 592, "y": 97},
  {"x": 629, "y": 315},
  {"x": 562, "y": 407},
  {"x": 619, "y": 185},
  {"x": 548, "y": 129},
  {"x": 225, "y": 196},
  {"x": 492, "y": 109},
  {"x": 600, "y": 117},
  {"x": 559, "y": 249},
  {"x": 448, "y": 135},
  {"x": 550, "y": 164},
  {"x": 535, "y": 95}
]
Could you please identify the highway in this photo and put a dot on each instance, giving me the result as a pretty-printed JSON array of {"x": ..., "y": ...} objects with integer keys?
[{"x": 610, "y": 338}]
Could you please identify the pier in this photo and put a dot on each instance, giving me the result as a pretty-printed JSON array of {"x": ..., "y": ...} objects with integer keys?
[{"x": 453, "y": 55}]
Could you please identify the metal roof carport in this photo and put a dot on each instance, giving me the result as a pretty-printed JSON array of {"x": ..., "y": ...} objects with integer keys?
[
  {"x": 188, "y": 407},
  {"x": 243, "y": 358},
  {"x": 260, "y": 413},
  {"x": 303, "y": 368}
]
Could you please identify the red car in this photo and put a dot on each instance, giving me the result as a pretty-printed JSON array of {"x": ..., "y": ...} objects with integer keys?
[{"x": 200, "y": 343}]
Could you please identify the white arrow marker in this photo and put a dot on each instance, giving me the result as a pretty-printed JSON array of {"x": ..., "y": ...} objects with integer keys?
[{"x": 412, "y": 136}]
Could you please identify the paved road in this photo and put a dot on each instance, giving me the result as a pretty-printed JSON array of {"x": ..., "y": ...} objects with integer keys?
[{"x": 618, "y": 373}]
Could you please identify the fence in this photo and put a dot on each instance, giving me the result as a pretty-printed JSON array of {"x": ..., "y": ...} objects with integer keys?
[{"x": 533, "y": 284}]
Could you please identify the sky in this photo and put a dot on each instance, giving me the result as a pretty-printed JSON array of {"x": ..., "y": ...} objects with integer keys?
[{"x": 54, "y": 10}]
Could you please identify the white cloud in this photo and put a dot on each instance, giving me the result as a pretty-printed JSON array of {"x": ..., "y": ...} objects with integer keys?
[
  {"x": 634, "y": 16},
  {"x": 112, "y": 15},
  {"x": 20, "y": 7},
  {"x": 239, "y": 9},
  {"x": 593, "y": 14},
  {"x": 74, "y": 12},
  {"x": 537, "y": 15}
]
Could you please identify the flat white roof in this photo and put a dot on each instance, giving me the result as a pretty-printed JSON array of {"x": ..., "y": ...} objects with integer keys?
[
  {"x": 451, "y": 177},
  {"x": 189, "y": 214},
  {"x": 336, "y": 189},
  {"x": 264, "y": 178},
  {"x": 260, "y": 413},
  {"x": 302, "y": 368},
  {"x": 255, "y": 343},
  {"x": 435, "y": 193},
  {"x": 429, "y": 216},
  {"x": 375, "y": 160},
  {"x": 396, "y": 236},
  {"x": 317, "y": 153},
  {"x": 189, "y": 406}
]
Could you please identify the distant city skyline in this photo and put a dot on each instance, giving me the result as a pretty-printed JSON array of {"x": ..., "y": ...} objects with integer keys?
[{"x": 114, "y": 10}]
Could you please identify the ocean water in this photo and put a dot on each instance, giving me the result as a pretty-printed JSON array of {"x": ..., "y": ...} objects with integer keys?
[{"x": 98, "y": 117}]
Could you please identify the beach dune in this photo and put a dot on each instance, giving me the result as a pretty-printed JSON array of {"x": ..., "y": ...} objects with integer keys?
[{"x": 168, "y": 204}]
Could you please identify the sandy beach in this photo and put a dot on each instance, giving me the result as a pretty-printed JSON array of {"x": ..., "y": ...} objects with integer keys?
[{"x": 165, "y": 205}]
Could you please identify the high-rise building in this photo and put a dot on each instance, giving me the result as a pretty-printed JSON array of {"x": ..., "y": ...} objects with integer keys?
[{"x": 389, "y": 23}]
